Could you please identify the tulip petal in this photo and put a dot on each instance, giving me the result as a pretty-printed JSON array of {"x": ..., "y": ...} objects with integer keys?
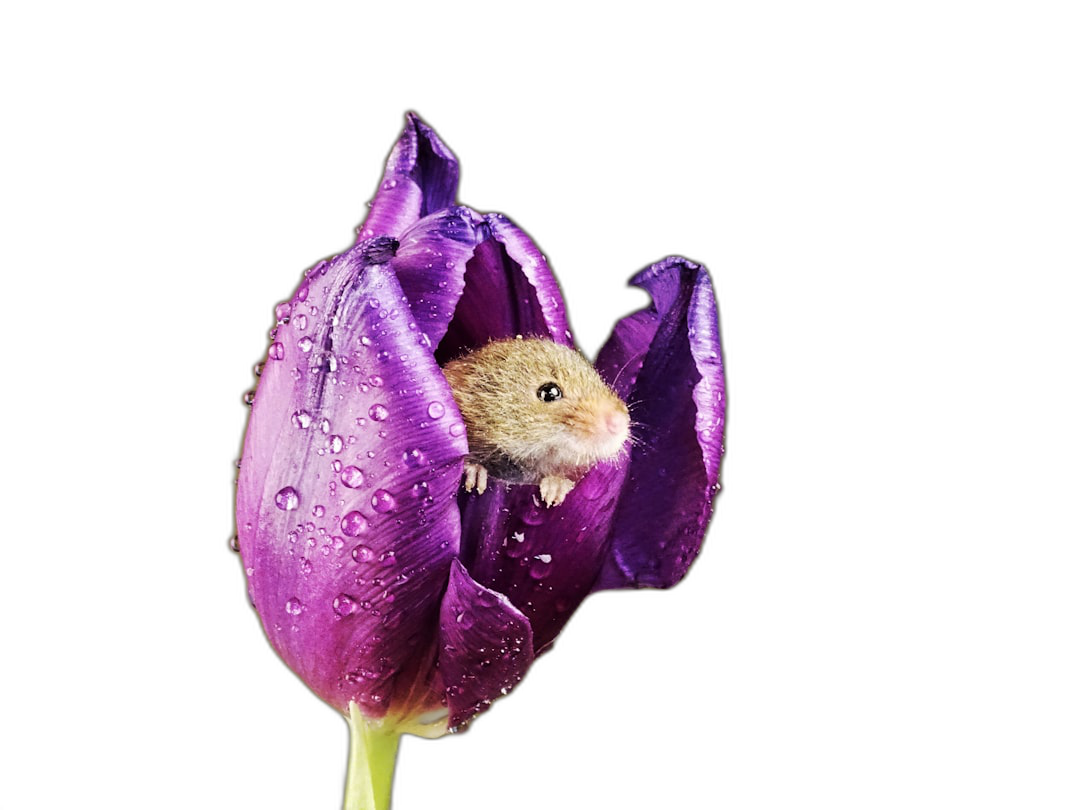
[
  {"x": 430, "y": 265},
  {"x": 509, "y": 291},
  {"x": 421, "y": 177},
  {"x": 671, "y": 352},
  {"x": 638, "y": 523},
  {"x": 544, "y": 559},
  {"x": 486, "y": 646},
  {"x": 346, "y": 504}
]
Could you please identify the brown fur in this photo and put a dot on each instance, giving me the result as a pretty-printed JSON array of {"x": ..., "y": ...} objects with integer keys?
[{"x": 519, "y": 437}]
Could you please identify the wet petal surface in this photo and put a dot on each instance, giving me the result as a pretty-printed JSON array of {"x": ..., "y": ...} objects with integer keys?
[
  {"x": 430, "y": 265},
  {"x": 486, "y": 646},
  {"x": 346, "y": 504},
  {"x": 509, "y": 291},
  {"x": 544, "y": 559}
]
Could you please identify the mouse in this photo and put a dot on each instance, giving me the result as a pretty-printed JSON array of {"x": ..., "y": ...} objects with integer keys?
[{"x": 536, "y": 412}]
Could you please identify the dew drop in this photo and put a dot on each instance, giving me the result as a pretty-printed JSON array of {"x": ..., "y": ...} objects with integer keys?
[
  {"x": 301, "y": 419},
  {"x": 382, "y": 501},
  {"x": 259, "y": 368},
  {"x": 300, "y": 323},
  {"x": 533, "y": 514},
  {"x": 435, "y": 410},
  {"x": 344, "y": 605},
  {"x": 540, "y": 566},
  {"x": 515, "y": 545},
  {"x": 457, "y": 429},
  {"x": 378, "y": 412},
  {"x": 234, "y": 542},
  {"x": 353, "y": 524},
  {"x": 277, "y": 351},
  {"x": 319, "y": 510},
  {"x": 294, "y": 606},
  {"x": 363, "y": 554},
  {"x": 413, "y": 458},
  {"x": 334, "y": 443},
  {"x": 287, "y": 499},
  {"x": 283, "y": 310},
  {"x": 352, "y": 477}
]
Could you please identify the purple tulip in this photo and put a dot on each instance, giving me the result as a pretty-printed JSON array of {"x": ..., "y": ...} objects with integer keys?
[{"x": 400, "y": 599}]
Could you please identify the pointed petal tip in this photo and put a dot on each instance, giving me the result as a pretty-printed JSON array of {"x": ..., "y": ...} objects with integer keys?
[{"x": 421, "y": 177}]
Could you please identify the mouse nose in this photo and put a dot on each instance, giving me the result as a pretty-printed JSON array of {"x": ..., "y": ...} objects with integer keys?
[{"x": 617, "y": 423}]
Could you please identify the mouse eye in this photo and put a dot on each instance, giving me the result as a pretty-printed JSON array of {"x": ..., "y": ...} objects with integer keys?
[{"x": 549, "y": 392}]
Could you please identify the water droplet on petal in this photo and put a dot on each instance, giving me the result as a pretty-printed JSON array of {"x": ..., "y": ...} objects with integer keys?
[
  {"x": 344, "y": 605},
  {"x": 413, "y": 458},
  {"x": 287, "y": 499},
  {"x": 353, "y": 524},
  {"x": 301, "y": 419},
  {"x": 334, "y": 443},
  {"x": 378, "y": 412},
  {"x": 435, "y": 410},
  {"x": 276, "y": 352},
  {"x": 305, "y": 344},
  {"x": 382, "y": 501},
  {"x": 363, "y": 554},
  {"x": 540, "y": 566},
  {"x": 352, "y": 477},
  {"x": 534, "y": 513},
  {"x": 234, "y": 542},
  {"x": 249, "y": 397},
  {"x": 294, "y": 606},
  {"x": 283, "y": 310},
  {"x": 457, "y": 429}
]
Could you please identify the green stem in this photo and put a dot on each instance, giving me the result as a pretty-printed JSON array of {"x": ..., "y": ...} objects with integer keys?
[{"x": 372, "y": 752}]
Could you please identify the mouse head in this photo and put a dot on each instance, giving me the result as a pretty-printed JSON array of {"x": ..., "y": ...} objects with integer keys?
[{"x": 546, "y": 406}]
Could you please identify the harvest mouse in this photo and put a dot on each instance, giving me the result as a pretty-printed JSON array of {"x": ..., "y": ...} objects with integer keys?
[{"x": 536, "y": 412}]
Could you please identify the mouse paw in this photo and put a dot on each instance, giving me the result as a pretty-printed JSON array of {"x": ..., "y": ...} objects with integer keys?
[
  {"x": 553, "y": 489},
  {"x": 475, "y": 477}
]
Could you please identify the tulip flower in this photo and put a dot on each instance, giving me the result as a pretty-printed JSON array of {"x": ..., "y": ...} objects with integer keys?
[{"x": 405, "y": 602}]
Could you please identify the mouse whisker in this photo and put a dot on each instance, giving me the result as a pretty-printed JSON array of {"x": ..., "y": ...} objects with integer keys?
[{"x": 625, "y": 366}]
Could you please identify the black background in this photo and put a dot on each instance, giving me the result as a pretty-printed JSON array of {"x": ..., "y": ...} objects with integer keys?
[{"x": 725, "y": 684}]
